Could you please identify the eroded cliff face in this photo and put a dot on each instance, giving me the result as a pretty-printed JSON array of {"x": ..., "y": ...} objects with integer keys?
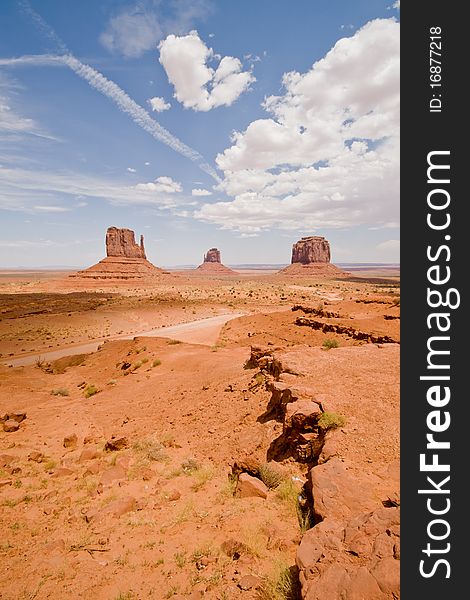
[
  {"x": 312, "y": 249},
  {"x": 121, "y": 242},
  {"x": 212, "y": 256}
]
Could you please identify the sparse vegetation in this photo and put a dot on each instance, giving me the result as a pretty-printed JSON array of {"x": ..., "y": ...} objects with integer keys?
[
  {"x": 60, "y": 392},
  {"x": 330, "y": 343},
  {"x": 156, "y": 363},
  {"x": 331, "y": 420},
  {"x": 173, "y": 342},
  {"x": 202, "y": 476},
  {"x": 180, "y": 559},
  {"x": 270, "y": 476},
  {"x": 90, "y": 390},
  {"x": 190, "y": 465},
  {"x": 283, "y": 584},
  {"x": 50, "y": 464},
  {"x": 151, "y": 449}
]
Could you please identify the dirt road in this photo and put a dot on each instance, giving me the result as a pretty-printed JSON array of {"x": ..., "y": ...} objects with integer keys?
[{"x": 202, "y": 331}]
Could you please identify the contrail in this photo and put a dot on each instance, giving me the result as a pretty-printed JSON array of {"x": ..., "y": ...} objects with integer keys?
[
  {"x": 108, "y": 88},
  {"x": 42, "y": 26}
]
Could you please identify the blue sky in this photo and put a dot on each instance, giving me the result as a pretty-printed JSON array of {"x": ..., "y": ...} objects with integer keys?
[{"x": 242, "y": 125}]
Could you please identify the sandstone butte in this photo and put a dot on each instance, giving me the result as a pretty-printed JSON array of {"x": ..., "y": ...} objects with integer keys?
[
  {"x": 311, "y": 256},
  {"x": 125, "y": 259},
  {"x": 212, "y": 264}
]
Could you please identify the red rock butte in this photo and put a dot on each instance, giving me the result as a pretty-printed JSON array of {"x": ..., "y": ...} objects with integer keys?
[
  {"x": 311, "y": 256},
  {"x": 212, "y": 264},
  {"x": 125, "y": 259}
]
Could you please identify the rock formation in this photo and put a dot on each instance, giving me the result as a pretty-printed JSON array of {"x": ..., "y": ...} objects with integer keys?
[
  {"x": 311, "y": 256},
  {"x": 212, "y": 256},
  {"x": 212, "y": 264},
  {"x": 121, "y": 242},
  {"x": 312, "y": 249},
  {"x": 124, "y": 259}
]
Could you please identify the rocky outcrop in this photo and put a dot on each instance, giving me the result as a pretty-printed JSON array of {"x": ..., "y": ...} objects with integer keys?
[
  {"x": 311, "y": 256},
  {"x": 355, "y": 558},
  {"x": 350, "y": 332},
  {"x": 125, "y": 260},
  {"x": 212, "y": 256},
  {"x": 212, "y": 264},
  {"x": 121, "y": 242},
  {"x": 311, "y": 249}
]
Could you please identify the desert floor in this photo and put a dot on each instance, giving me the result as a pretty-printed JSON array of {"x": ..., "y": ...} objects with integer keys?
[{"x": 162, "y": 365}]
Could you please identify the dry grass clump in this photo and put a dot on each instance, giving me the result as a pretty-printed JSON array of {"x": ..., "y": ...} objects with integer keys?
[
  {"x": 283, "y": 584},
  {"x": 60, "y": 392},
  {"x": 90, "y": 390},
  {"x": 270, "y": 475},
  {"x": 331, "y": 420}
]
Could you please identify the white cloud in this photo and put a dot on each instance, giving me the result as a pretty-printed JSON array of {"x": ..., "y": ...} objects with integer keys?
[
  {"x": 132, "y": 32},
  {"x": 329, "y": 155},
  {"x": 197, "y": 85},
  {"x": 13, "y": 125},
  {"x": 158, "y": 104},
  {"x": 39, "y": 191},
  {"x": 162, "y": 184},
  {"x": 147, "y": 164},
  {"x": 137, "y": 29},
  {"x": 131, "y": 170},
  {"x": 200, "y": 192}
]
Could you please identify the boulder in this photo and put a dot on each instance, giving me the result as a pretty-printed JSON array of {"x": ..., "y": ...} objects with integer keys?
[
  {"x": 357, "y": 559},
  {"x": 116, "y": 444},
  {"x": 62, "y": 472},
  {"x": 249, "y": 486},
  {"x": 14, "y": 416},
  {"x": 36, "y": 456},
  {"x": 115, "y": 473},
  {"x": 70, "y": 441},
  {"x": 10, "y": 425},
  {"x": 249, "y": 582},
  {"x": 88, "y": 454}
]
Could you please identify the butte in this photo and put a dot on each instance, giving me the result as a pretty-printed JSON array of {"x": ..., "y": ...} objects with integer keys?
[
  {"x": 125, "y": 260},
  {"x": 212, "y": 264},
  {"x": 311, "y": 257}
]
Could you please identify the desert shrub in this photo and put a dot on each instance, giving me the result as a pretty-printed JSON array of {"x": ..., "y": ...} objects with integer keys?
[
  {"x": 190, "y": 465},
  {"x": 331, "y": 420},
  {"x": 329, "y": 343},
  {"x": 283, "y": 584},
  {"x": 151, "y": 450},
  {"x": 91, "y": 390},
  {"x": 180, "y": 559},
  {"x": 39, "y": 362},
  {"x": 136, "y": 365},
  {"x": 145, "y": 360},
  {"x": 173, "y": 342},
  {"x": 202, "y": 476},
  {"x": 156, "y": 363},
  {"x": 270, "y": 476},
  {"x": 288, "y": 492},
  {"x": 60, "y": 392}
]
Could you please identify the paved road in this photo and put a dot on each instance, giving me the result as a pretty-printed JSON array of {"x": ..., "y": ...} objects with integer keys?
[{"x": 202, "y": 331}]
